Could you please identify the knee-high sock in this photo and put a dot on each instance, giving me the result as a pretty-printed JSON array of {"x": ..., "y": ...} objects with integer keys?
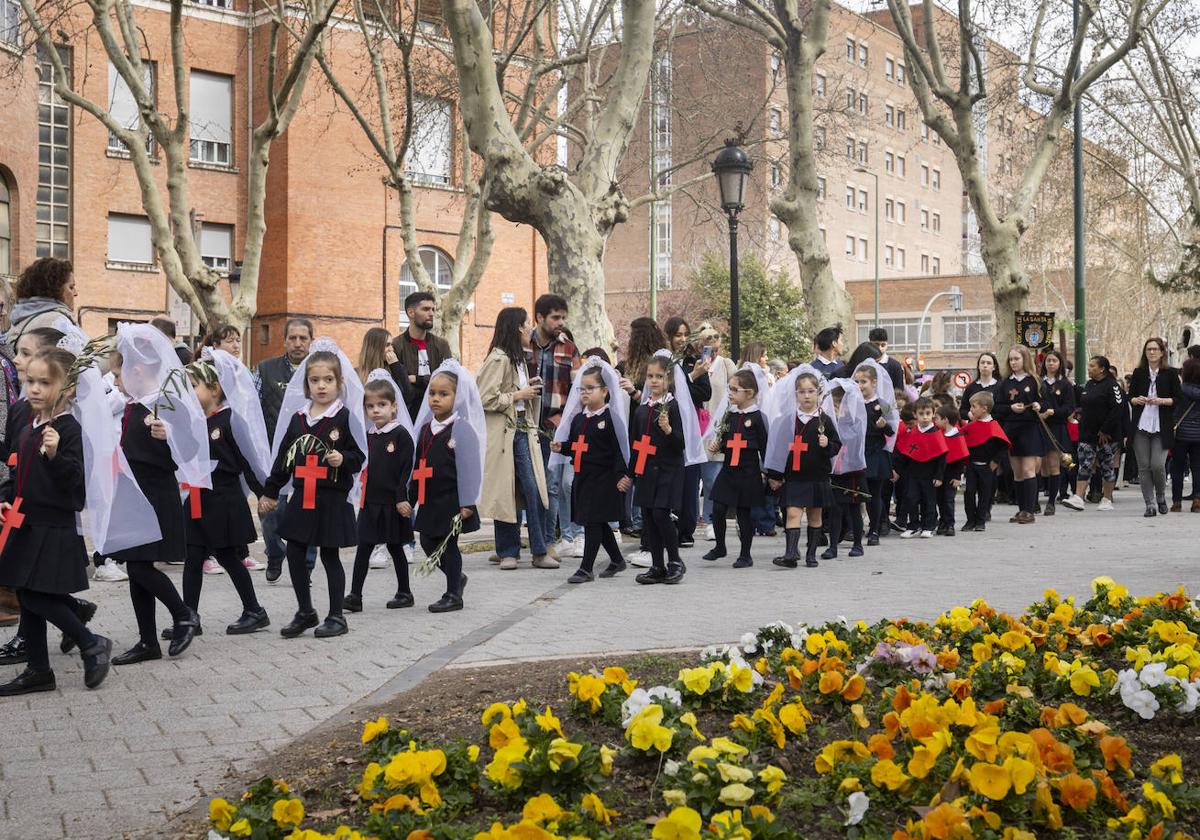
[
  {"x": 335, "y": 575},
  {"x": 297, "y": 561},
  {"x": 147, "y": 584},
  {"x": 239, "y": 576},
  {"x": 400, "y": 564},
  {"x": 745, "y": 521},
  {"x": 362, "y": 564},
  {"x": 720, "y": 523}
]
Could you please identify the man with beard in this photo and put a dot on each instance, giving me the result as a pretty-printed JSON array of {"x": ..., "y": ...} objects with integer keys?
[{"x": 419, "y": 350}]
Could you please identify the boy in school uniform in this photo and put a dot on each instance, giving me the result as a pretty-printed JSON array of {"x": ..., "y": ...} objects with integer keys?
[
  {"x": 986, "y": 442},
  {"x": 921, "y": 455}
]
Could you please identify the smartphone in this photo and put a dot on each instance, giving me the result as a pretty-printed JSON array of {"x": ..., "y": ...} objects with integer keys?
[{"x": 706, "y": 353}]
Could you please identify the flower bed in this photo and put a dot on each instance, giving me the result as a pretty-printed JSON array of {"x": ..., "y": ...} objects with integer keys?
[{"x": 1069, "y": 720}]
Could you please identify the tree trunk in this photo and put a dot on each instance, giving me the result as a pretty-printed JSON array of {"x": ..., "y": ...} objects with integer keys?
[
  {"x": 1001, "y": 248},
  {"x": 575, "y": 259}
]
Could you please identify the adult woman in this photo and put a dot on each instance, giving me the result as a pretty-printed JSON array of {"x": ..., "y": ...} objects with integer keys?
[
  {"x": 696, "y": 368},
  {"x": 719, "y": 370},
  {"x": 1058, "y": 404},
  {"x": 1186, "y": 450},
  {"x": 1152, "y": 393},
  {"x": 516, "y": 479},
  {"x": 1018, "y": 400},
  {"x": 1101, "y": 421},
  {"x": 986, "y": 368},
  {"x": 377, "y": 352},
  {"x": 45, "y": 292}
]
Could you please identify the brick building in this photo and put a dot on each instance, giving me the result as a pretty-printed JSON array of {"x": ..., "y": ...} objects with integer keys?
[{"x": 333, "y": 248}]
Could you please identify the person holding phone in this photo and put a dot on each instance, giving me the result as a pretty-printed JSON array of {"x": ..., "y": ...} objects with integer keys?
[{"x": 679, "y": 334}]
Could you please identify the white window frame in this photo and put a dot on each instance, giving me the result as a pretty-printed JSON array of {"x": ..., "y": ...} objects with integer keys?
[
  {"x": 820, "y": 188},
  {"x": 936, "y": 179},
  {"x": 889, "y": 68},
  {"x": 863, "y": 249},
  {"x": 924, "y": 175},
  {"x": 937, "y": 223},
  {"x": 819, "y": 84},
  {"x": 889, "y": 162},
  {"x": 889, "y": 209},
  {"x": 864, "y": 54},
  {"x": 850, "y": 243},
  {"x": 430, "y": 156},
  {"x": 889, "y": 115},
  {"x": 901, "y": 213},
  {"x": 442, "y": 275},
  {"x": 864, "y": 201},
  {"x": 211, "y": 139},
  {"x": 901, "y": 170},
  {"x": 10, "y": 23},
  {"x": 889, "y": 255},
  {"x": 819, "y": 137},
  {"x": 128, "y": 251},
  {"x": 212, "y": 236},
  {"x": 851, "y": 197},
  {"x": 967, "y": 332},
  {"x": 936, "y": 265},
  {"x": 851, "y": 50},
  {"x": 899, "y": 258},
  {"x": 924, "y": 219}
]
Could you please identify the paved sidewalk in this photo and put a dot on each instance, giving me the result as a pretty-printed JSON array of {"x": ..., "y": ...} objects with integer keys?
[{"x": 158, "y": 736}]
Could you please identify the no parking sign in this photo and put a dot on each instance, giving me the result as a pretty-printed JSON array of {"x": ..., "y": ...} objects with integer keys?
[{"x": 962, "y": 379}]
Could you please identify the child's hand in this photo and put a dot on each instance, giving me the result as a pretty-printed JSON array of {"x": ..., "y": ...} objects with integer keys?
[
  {"x": 937, "y": 482},
  {"x": 895, "y": 476},
  {"x": 465, "y": 513},
  {"x": 1018, "y": 408},
  {"x": 714, "y": 445},
  {"x": 664, "y": 422},
  {"x": 555, "y": 446},
  {"x": 822, "y": 441},
  {"x": 50, "y": 442},
  {"x": 5, "y": 507},
  {"x": 404, "y": 509},
  {"x": 266, "y": 505},
  {"x": 955, "y": 482},
  {"x": 158, "y": 429},
  {"x": 775, "y": 483},
  {"x": 334, "y": 458},
  {"x": 625, "y": 385},
  {"x": 881, "y": 423},
  {"x": 624, "y": 483}
]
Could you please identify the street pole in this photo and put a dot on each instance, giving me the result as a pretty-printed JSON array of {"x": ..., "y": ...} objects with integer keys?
[
  {"x": 875, "y": 175},
  {"x": 1080, "y": 279},
  {"x": 735, "y": 307}
]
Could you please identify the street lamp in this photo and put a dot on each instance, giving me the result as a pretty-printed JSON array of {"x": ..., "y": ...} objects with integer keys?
[
  {"x": 732, "y": 168},
  {"x": 874, "y": 175},
  {"x": 956, "y": 304}
]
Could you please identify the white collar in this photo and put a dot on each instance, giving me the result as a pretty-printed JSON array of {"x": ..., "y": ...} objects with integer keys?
[
  {"x": 589, "y": 413},
  {"x": 666, "y": 398},
  {"x": 37, "y": 422},
  {"x": 1050, "y": 380},
  {"x": 436, "y": 426},
  {"x": 334, "y": 408},
  {"x": 805, "y": 415},
  {"x": 987, "y": 384},
  {"x": 1019, "y": 376},
  {"x": 985, "y": 419},
  {"x": 384, "y": 429},
  {"x": 733, "y": 409},
  {"x": 925, "y": 429},
  {"x": 951, "y": 432},
  {"x": 883, "y": 359}
]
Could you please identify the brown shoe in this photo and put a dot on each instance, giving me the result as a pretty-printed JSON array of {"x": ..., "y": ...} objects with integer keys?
[
  {"x": 1016, "y": 517},
  {"x": 1195, "y": 505},
  {"x": 8, "y": 619},
  {"x": 1025, "y": 518},
  {"x": 1176, "y": 507},
  {"x": 545, "y": 561}
]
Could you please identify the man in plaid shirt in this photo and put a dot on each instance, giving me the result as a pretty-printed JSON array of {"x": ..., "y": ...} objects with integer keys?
[{"x": 554, "y": 358}]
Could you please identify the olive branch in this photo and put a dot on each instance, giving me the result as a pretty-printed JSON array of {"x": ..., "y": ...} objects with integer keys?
[
  {"x": 175, "y": 385},
  {"x": 307, "y": 444},
  {"x": 522, "y": 425},
  {"x": 433, "y": 562},
  {"x": 88, "y": 357}
]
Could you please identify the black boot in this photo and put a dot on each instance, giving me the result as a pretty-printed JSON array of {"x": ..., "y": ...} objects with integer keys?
[
  {"x": 675, "y": 573},
  {"x": 791, "y": 552},
  {"x": 28, "y": 682},
  {"x": 334, "y": 625},
  {"x": 13, "y": 652},
  {"x": 96, "y": 661},
  {"x": 814, "y": 540},
  {"x": 85, "y": 611},
  {"x": 303, "y": 620},
  {"x": 141, "y": 652},
  {"x": 402, "y": 600},
  {"x": 250, "y": 621},
  {"x": 185, "y": 631},
  {"x": 655, "y": 574}
]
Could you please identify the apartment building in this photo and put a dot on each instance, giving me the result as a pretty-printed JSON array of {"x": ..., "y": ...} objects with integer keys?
[{"x": 333, "y": 249}]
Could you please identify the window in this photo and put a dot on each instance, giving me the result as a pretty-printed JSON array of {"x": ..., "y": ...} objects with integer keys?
[
  {"x": 924, "y": 219},
  {"x": 776, "y": 63},
  {"x": 775, "y": 122},
  {"x": 851, "y": 50},
  {"x": 212, "y": 118},
  {"x": 429, "y": 16},
  {"x": 889, "y": 68},
  {"x": 937, "y": 139},
  {"x": 850, "y": 148},
  {"x": 862, "y": 151},
  {"x": 901, "y": 120},
  {"x": 937, "y": 222},
  {"x": 10, "y": 22},
  {"x": 902, "y": 333},
  {"x": 889, "y": 116},
  {"x": 900, "y": 165},
  {"x": 863, "y": 104},
  {"x": 123, "y": 107},
  {"x": 851, "y": 98},
  {"x": 863, "y": 55},
  {"x": 819, "y": 137},
  {"x": 662, "y": 241},
  {"x": 900, "y": 258},
  {"x": 967, "y": 332},
  {"x": 54, "y": 156},
  {"x": 429, "y": 152},
  {"x": 6, "y": 227},
  {"x": 776, "y": 175},
  {"x": 438, "y": 266},
  {"x": 850, "y": 247},
  {"x": 900, "y": 80},
  {"x": 937, "y": 265},
  {"x": 924, "y": 263},
  {"x": 773, "y": 229},
  {"x": 924, "y": 175},
  {"x": 924, "y": 133},
  {"x": 901, "y": 215},
  {"x": 129, "y": 240},
  {"x": 850, "y": 196},
  {"x": 863, "y": 204},
  {"x": 216, "y": 246},
  {"x": 937, "y": 179},
  {"x": 660, "y": 105},
  {"x": 862, "y": 249},
  {"x": 889, "y": 162},
  {"x": 820, "y": 188},
  {"x": 889, "y": 254},
  {"x": 223, "y": 4},
  {"x": 889, "y": 209},
  {"x": 819, "y": 84}
]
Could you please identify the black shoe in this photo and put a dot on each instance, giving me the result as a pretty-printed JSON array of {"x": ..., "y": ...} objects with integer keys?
[
  {"x": 1048, "y": 510},
  {"x": 830, "y": 553},
  {"x": 250, "y": 621},
  {"x": 652, "y": 576},
  {"x": 613, "y": 569},
  {"x": 872, "y": 539},
  {"x": 856, "y": 550},
  {"x": 300, "y": 622},
  {"x": 28, "y": 682},
  {"x": 1150, "y": 511},
  {"x": 630, "y": 531},
  {"x": 940, "y": 530},
  {"x": 743, "y": 563},
  {"x": 169, "y": 633},
  {"x": 581, "y": 576},
  {"x": 714, "y": 554},
  {"x": 96, "y": 661},
  {"x": 401, "y": 601},
  {"x": 85, "y": 611},
  {"x": 185, "y": 631},
  {"x": 949, "y": 532},
  {"x": 352, "y": 603},
  {"x": 13, "y": 652},
  {"x": 448, "y": 603},
  {"x": 980, "y": 527},
  {"x": 274, "y": 569},
  {"x": 334, "y": 625},
  {"x": 141, "y": 652},
  {"x": 686, "y": 542},
  {"x": 1162, "y": 507},
  {"x": 969, "y": 526},
  {"x": 786, "y": 562},
  {"x": 675, "y": 573}
]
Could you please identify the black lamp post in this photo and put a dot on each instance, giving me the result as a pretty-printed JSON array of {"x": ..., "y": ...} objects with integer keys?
[{"x": 732, "y": 168}]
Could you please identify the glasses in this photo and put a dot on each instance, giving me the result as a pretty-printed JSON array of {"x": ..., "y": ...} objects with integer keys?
[{"x": 587, "y": 389}]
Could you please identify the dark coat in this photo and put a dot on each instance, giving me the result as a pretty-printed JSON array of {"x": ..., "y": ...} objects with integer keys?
[{"x": 1167, "y": 388}]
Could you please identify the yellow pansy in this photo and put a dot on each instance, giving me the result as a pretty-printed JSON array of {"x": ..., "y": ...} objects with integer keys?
[
  {"x": 606, "y": 759},
  {"x": 795, "y": 716},
  {"x": 773, "y": 778},
  {"x": 700, "y": 754},
  {"x": 646, "y": 732},
  {"x": 688, "y": 719},
  {"x": 1083, "y": 680},
  {"x": 727, "y": 825},
  {"x": 504, "y": 733},
  {"x": 1013, "y": 640},
  {"x": 305, "y": 834},
  {"x": 519, "y": 707},
  {"x": 680, "y": 824},
  {"x": 727, "y": 747},
  {"x": 814, "y": 644},
  {"x": 500, "y": 771},
  {"x": 675, "y": 798},
  {"x": 744, "y": 723},
  {"x": 561, "y": 751},
  {"x": 733, "y": 773},
  {"x": 588, "y": 689},
  {"x": 542, "y": 808},
  {"x": 615, "y": 675},
  {"x": 1020, "y": 772},
  {"x": 1160, "y": 799},
  {"x": 287, "y": 812},
  {"x": 241, "y": 828},
  {"x": 371, "y": 774},
  {"x": 990, "y": 780},
  {"x": 594, "y": 808},
  {"x": 981, "y": 651},
  {"x": 373, "y": 729},
  {"x": 774, "y": 727},
  {"x": 1062, "y": 614},
  {"x": 888, "y": 774},
  {"x": 473, "y": 753},
  {"x": 549, "y": 723},
  {"x": 922, "y": 761},
  {"x": 736, "y": 794},
  {"x": 837, "y": 751},
  {"x": 495, "y": 710},
  {"x": 220, "y": 812},
  {"x": 850, "y": 784},
  {"x": 1169, "y": 767},
  {"x": 981, "y": 743},
  {"x": 739, "y": 678},
  {"x": 696, "y": 680}
]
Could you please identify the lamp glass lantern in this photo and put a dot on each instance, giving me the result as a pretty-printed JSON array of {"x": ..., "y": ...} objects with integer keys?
[{"x": 732, "y": 167}]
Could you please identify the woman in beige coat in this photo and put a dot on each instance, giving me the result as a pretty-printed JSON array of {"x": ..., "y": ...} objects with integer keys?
[{"x": 514, "y": 480}]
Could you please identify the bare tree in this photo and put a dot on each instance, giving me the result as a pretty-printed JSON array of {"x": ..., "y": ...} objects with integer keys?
[
  {"x": 954, "y": 91},
  {"x": 295, "y": 31}
]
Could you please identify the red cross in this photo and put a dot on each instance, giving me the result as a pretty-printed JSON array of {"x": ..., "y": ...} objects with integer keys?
[
  {"x": 580, "y": 446},
  {"x": 421, "y": 473},
  {"x": 644, "y": 450},
  {"x": 797, "y": 448},
  {"x": 362, "y": 492},
  {"x": 12, "y": 519},
  {"x": 12, "y": 459},
  {"x": 310, "y": 473},
  {"x": 193, "y": 499},
  {"x": 736, "y": 443}
]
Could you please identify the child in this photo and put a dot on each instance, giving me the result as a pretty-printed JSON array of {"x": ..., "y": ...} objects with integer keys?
[
  {"x": 218, "y": 521},
  {"x": 320, "y": 448},
  {"x": 956, "y": 460},
  {"x": 921, "y": 456},
  {"x": 802, "y": 444},
  {"x": 1018, "y": 403},
  {"x": 594, "y": 434},
  {"x": 986, "y": 444},
  {"x": 390, "y": 453},
  {"x": 882, "y": 421},
  {"x": 451, "y": 441},
  {"x": 1057, "y": 407},
  {"x": 742, "y": 436},
  {"x": 44, "y": 557},
  {"x": 845, "y": 405}
]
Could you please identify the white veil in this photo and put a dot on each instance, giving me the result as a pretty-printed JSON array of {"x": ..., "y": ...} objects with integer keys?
[
  {"x": 468, "y": 433},
  {"x": 693, "y": 448},
  {"x": 885, "y": 392},
  {"x": 148, "y": 361},
  {"x": 574, "y": 405},
  {"x": 764, "y": 392},
  {"x": 246, "y": 416},
  {"x": 379, "y": 374},
  {"x": 781, "y": 409},
  {"x": 851, "y": 422},
  {"x": 351, "y": 395}
]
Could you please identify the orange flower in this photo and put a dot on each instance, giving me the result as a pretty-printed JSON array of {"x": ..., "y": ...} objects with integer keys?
[
  {"x": 794, "y": 676},
  {"x": 1157, "y": 832},
  {"x": 903, "y": 698},
  {"x": 1056, "y": 756},
  {"x": 810, "y": 666},
  {"x": 996, "y": 707},
  {"x": 854, "y": 688},
  {"x": 1110, "y": 791},
  {"x": 1049, "y": 716},
  {"x": 1070, "y": 713},
  {"x": 947, "y": 821},
  {"x": 959, "y": 689},
  {"x": 1176, "y": 601},
  {"x": 1097, "y": 634},
  {"x": 891, "y": 724},
  {"x": 831, "y": 682},
  {"x": 880, "y": 746},
  {"x": 1116, "y": 752},
  {"x": 1076, "y": 791},
  {"x": 948, "y": 660}
]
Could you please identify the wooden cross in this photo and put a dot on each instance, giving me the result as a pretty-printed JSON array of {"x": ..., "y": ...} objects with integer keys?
[
  {"x": 644, "y": 450},
  {"x": 310, "y": 473},
  {"x": 797, "y": 448},
  {"x": 12, "y": 519},
  {"x": 421, "y": 474},
  {"x": 579, "y": 448},
  {"x": 193, "y": 499},
  {"x": 736, "y": 443}
]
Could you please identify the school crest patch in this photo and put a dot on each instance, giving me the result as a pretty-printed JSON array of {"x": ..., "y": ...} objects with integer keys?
[
  {"x": 601, "y": 425},
  {"x": 450, "y": 443},
  {"x": 391, "y": 447},
  {"x": 334, "y": 434},
  {"x": 215, "y": 434}
]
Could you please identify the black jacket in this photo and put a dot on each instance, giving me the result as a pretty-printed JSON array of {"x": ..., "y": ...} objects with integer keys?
[
  {"x": 1167, "y": 388},
  {"x": 1102, "y": 410}
]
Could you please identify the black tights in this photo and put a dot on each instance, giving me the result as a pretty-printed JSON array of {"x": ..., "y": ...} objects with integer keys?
[
  {"x": 595, "y": 535},
  {"x": 745, "y": 527},
  {"x": 660, "y": 534},
  {"x": 37, "y": 608},
  {"x": 362, "y": 564},
  {"x": 838, "y": 514},
  {"x": 297, "y": 559},
  {"x": 229, "y": 558},
  {"x": 147, "y": 584},
  {"x": 451, "y": 561},
  {"x": 875, "y": 508}
]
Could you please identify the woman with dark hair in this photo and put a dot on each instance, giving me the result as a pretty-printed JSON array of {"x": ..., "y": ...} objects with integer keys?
[
  {"x": 1186, "y": 451},
  {"x": 1101, "y": 424},
  {"x": 986, "y": 368},
  {"x": 696, "y": 367},
  {"x": 1058, "y": 403},
  {"x": 45, "y": 292},
  {"x": 516, "y": 480},
  {"x": 1018, "y": 400},
  {"x": 1152, "y": 392},
  {"x": 864, "y": 351}
]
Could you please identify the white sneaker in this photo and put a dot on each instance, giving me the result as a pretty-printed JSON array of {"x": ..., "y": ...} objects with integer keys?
[
  {"x": 253, "y": 565},
  {"x": 110, "y": 572},
  {"x": 909, "y": 534},
  {"x": 577, "y": 547},
  {"x": 927, "y": 535},
  {"x": 1074, "y": 502},
  {"x": 380, "y": 559},
  {"x": 641, "y": 559},
  {"x": 212, "y": 567},
  {"x": 1105, "y": 504}
]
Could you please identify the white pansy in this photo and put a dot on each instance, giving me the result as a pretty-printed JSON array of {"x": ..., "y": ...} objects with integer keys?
[
  {"x": 1190, "y": 699},
  {"x": 859, "y": 802},
  {"x": 749, "y": 642},
  {"x": 637, "y": 700},
  {"x": 1154, "y": 674},
  {"x": 671, "y": 767}
]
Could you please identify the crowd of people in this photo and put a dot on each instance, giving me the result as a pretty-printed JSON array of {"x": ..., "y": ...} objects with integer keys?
[{"x": 153, "y": 448}]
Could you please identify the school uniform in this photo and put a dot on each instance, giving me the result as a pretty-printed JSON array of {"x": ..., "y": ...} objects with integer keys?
[
  {"x": 805, "y": 477},
  {"x": 435, "y": 497},
  {"x": 878, "y": 473},
  {"x": 986, "y": 444},
  {"x": 957, "y": 458},
  {"x": 154, "y": 470},
  {"x": 921, "y": 454},
  {"x": 1023, "y": 428},
  {"x": 739, "y": 484},
  {"x": 390, "y": 463},
  {"x": 595, "y": 452},
  {"x": 1058, "y": 395},
  {"x": 656, "y": 463}
]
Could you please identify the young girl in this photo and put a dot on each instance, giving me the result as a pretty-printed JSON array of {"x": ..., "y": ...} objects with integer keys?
[
  {"x": 44, "y": 557},
  {"x": 218, "y": 521},
  {"x": 165, "y": 442},
  {"x": 1018, "y": 402},
  {"x": 882, "y": 423},
  {"x": 741, "y": 434},
  {"x": 594, "y": 434},
  {"x": 801, "y": 446},
  {"x": 390, "y": 453},
  {"x": 320, "y": 450},
  {"x": 845, "y": 404},
  {"x": 448, "y": 477},
  {"x": 1057, "y": 407}
]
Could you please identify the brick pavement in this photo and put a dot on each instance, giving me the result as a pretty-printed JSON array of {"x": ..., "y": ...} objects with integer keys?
[{"x": 158, "y": 736}]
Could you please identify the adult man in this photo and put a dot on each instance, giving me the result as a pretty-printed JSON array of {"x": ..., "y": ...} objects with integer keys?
[
  {"x": 418, "y": 349},
  {"x": 271, "y": 378},
  {"x": 829, "y": 348},
  {"x": 166, "y": 325},
  {"x": 554, "y": 358},
  {"x": 879, "y": 337}
]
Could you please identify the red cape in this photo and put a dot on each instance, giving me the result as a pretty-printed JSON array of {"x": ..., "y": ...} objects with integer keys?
[
  {"x": 956, "y": 448},
  {"x": 979, "y": 432},
  {"x": 920, "y": 446}
]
